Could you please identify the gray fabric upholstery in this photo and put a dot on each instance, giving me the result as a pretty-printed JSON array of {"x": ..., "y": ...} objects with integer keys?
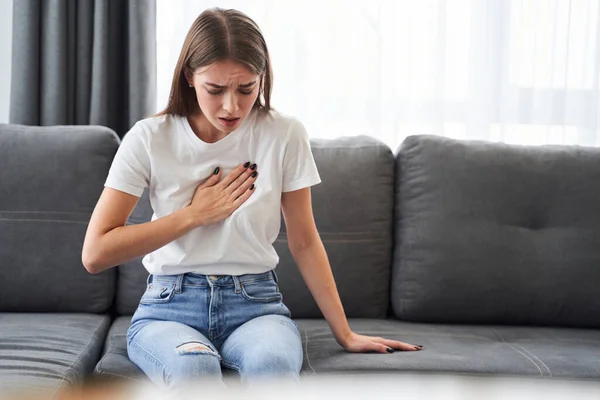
[
  {"x": 472, "y": 349},
  {"x": 505, "y": 350},
  {"x": 83, "y": 62},
  {"x": 114, "y": 362},
  {"x": 49, "y": 350},
  {"x": 496, "y": 233},
  {"x": 51, "y": 180},
  {"x": 353, "y": 208}
]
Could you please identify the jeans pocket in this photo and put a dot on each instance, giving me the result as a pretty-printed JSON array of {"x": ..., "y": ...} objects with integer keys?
[
  {"x": 158, "y": 292},
  {"x": 265, "y": 291}
]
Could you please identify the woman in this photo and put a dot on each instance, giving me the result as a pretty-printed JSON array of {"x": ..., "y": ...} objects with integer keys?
[{"x": 220, "y": 164}]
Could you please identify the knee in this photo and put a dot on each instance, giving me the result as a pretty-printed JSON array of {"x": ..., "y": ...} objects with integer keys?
[
  {"x": 194, "y": 362},
  {"x": 271, "y": 362}
]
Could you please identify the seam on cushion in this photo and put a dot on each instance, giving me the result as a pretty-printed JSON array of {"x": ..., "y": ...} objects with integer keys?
[
  {"x": 98, "y": 372},
  {"x": 79, "y": 357},
  {"x": 42, "y": 220},
  {"x": 520, "y": 352},
  {"x": 306, "y": 352},
  {"x": 534, "y": 356},
  {"x": 44, "y": 212}
]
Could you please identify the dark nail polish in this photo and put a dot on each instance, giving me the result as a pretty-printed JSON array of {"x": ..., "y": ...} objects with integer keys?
[
  {"x": 247, "y": 164},
  {"x": 389, "y": 350},
  {"x": 254, "y": 174},
  {"x": 253, "y": 167},
  {"x": 216, "y": 170},
  {"x": 252, "y": 187}
]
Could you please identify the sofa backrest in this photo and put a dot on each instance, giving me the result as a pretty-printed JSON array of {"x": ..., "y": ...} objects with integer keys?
[
  {"x": 353, "y": 208},
  {"x": 496, "y": 233},
  {"x": 50, "y": 181}
]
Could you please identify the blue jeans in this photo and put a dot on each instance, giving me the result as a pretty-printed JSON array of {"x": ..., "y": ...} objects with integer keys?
[{"x": 188, "y": 326}]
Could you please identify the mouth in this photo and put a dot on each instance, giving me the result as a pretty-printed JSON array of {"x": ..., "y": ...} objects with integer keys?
[{"x": 229, "y": 121}]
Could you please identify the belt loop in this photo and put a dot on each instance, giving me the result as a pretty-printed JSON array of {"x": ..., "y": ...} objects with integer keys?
[
  {"x": 237, "y": 284},
  {"x": 149, "y": 279},
  {"x": 179, "y": 283}
]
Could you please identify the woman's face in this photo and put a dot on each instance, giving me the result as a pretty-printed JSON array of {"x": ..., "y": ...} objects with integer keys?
[{"x": 226, "y": 92}]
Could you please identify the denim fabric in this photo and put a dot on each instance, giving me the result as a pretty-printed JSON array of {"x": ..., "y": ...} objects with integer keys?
[{"x": 189, "y": 326}]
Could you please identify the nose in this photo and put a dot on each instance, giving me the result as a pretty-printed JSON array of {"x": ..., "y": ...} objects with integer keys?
[{"x": 230, "y": 103}]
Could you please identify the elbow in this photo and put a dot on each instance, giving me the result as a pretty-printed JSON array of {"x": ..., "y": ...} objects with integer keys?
[
  {"x": 91, "y": 260},
  {"x": 90, "y": 264}
]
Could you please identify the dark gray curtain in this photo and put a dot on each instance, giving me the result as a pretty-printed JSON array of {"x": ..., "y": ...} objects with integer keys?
[{"x": 78, "y": 62}]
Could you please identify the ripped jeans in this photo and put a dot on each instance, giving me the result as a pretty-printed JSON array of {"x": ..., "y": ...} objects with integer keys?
[{"x": 189, "y": 326}]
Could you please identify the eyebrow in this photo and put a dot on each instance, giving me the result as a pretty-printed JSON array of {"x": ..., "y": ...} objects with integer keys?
[{"x": 214, "y": 85}]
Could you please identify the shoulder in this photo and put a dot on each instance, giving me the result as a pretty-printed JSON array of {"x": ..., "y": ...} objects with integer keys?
[
  {"x": 155, "y": 129},
  {"x": 285, "y": 126},
  {"x": 155, "y": 125}
]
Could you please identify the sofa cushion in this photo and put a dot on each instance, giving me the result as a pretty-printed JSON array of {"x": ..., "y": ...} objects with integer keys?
[
  {"x": 115, "y": 362},
  {"x": 505, "y": 350},
  {"x": 458, "y": 349},
  {"x": 496, "y": 233},
  {"x": 353, "y": 208},
  {"x": 49, "y": 350},
  {"x": 51, "y": 179}
]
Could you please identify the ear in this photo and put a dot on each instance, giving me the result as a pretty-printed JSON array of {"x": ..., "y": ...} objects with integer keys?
[{"x": 189, "y": 75}]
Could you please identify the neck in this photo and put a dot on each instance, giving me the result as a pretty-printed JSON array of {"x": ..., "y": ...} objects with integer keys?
[{"x": 204, "y": 129}]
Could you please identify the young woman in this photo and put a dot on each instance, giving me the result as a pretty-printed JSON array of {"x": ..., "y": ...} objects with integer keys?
[{"x": 219, "y": 164}]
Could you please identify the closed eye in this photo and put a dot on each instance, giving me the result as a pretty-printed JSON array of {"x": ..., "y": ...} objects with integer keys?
[{"x": 218, "y": 92}]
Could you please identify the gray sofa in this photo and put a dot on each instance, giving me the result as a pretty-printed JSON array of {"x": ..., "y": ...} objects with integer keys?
[{"x": 486, "y": 254}]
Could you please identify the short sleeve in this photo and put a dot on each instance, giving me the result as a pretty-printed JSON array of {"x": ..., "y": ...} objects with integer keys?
[
  {"x": 130, "y": 169},
  {"x": 299, "y": 167}
]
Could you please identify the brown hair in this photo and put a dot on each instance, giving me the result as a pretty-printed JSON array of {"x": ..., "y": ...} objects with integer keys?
[{"x": 218, "y": 35}]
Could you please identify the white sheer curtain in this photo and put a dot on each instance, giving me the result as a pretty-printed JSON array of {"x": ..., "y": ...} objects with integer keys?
[{"x": 517, "y": 71}]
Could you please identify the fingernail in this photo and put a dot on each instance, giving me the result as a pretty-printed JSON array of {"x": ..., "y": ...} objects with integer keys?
[
  {"x": 247, "y": 164},
  {"x": 252, "y": 186},
  {"x": 389, "y": 350},
  {"x": 216, "y": 170},
  {"x": 253, "y": 167},
  {"x": 254, "y": 174}
]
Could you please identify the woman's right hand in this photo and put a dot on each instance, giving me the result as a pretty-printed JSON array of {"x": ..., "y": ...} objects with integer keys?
[{"x": 216, "y": 199}]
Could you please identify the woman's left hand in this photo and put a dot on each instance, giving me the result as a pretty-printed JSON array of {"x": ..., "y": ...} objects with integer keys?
[{"x": 356, "y": 343}]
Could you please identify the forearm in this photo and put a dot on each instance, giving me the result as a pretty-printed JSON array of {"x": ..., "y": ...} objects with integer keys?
[
  {"x": 125, "y": 243},
  {"x": 314, "y": 266}
]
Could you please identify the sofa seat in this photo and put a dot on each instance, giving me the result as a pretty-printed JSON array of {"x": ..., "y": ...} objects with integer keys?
[
  {"x": 457, "y": 349},
  {"x": 506, "y": 350},
  {"x": 49, "y": 350}
]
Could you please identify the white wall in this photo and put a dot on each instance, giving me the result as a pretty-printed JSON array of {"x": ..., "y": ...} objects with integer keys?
[{"x": 6, "y": 7}]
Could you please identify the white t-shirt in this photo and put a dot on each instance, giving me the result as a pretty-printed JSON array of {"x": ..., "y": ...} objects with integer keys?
[{"x": 163, "y": 154}]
